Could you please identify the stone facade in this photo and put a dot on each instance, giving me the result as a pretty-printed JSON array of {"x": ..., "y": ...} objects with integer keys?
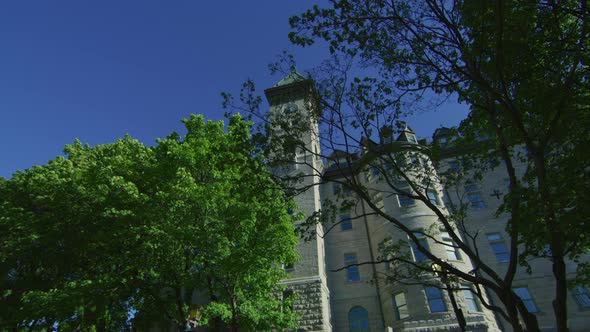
[
  {"x": 330, "y": 300},
  {"x": 308, "y": 277}
]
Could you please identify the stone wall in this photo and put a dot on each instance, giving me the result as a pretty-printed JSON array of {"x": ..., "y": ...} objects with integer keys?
[{"x": 308, "y": 305}]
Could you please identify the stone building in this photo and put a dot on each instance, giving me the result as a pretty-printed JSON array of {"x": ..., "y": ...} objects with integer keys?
[{"x": 333, "y": 294}]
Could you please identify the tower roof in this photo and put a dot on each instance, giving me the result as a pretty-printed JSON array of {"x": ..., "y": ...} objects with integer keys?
[
  {"x": 407, "y": 135},
  {"x": 292, "y": 77}
]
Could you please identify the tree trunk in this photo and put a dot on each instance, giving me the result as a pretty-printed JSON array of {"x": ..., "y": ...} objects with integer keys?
[
  {"x": 100, "y": 325},
  {"x": 216, "y": 321},
  {"x": 235, "y": 317},
  {"x": 512, "y": 311},
  {"x": 530, "y": 320},
  {"x": 560, "y": 300},
  {"x": 180, "y": 308}
]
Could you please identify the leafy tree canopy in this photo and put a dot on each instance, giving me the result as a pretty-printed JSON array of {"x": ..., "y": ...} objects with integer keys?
[{"x": 121, "y": 236}]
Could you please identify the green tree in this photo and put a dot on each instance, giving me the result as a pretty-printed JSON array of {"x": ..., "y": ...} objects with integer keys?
[
  {"x": 522, "y": 67},
  {"x": 121, "y": 236}
]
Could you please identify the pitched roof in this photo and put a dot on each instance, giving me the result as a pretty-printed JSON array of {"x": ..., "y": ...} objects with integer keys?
[{"x": 292, "y": 77}]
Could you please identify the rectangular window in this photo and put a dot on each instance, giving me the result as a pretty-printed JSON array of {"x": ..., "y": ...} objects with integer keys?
[
  {"x": 526, "y": 297},
  {"x": 288, "y": 299},
  {"x": 345, "y": 221},
  {"x": 499, "y": 247},
  {"x": 476, "y": 200},
  {"x": 471, "y": 300},
  {"x": 335, "y": 188},
  {"x": 454, "y": 166},
  {"x": 374, "y": 171},
  {"x": 433, "y": 197},
  {"x": 474, "y": 196},
  {"x": 352, "y": 270},
  {"x": 400, "y": 306},
  {"x": 378, "y": 201},
  {"x": 582, "y": 297},
  {"x": 403, "y": 199},
  {"x": 435, "y": 299},
  {"x": 419, "y": 254},
  {"x": 450, "y": 247},
  {"x": 416, "y": 161}
]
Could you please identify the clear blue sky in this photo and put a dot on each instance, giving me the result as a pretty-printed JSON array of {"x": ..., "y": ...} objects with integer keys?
[{"x": 96, "y": 70}]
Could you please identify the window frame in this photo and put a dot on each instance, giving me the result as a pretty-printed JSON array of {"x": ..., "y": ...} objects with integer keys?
[
  {"x": 468, "y": 290},
  {"x": 450, "y": 247},
  {"x": 474, "y": 196},
  {"x": 528, "y": 301},
  {"x": 404, "y": 201},
  {"x": 411, "y": 138},
  {"x": 437, "y": 201},
  {"x": 454, "y": 166},
  {"x": 396, "y": 306},
  {"x": 287, "y": 300},
  {"x": 424, "y": 242},
  {"x": 582, "y": 297},
  {"x": 360, "y": 315},
  {"x": 439, "y": 299},
  {"x": 345, "y": 221},
  {"x": 353, "y": 273},
  {"x": 336, "y": 188},
  {"x": 501, "y": 256}
]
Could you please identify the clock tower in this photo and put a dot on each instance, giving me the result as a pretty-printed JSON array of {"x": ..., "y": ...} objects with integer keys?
[{"x": 293, "y": 103}]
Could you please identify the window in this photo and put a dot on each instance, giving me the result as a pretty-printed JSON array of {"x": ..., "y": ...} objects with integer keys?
[
  {"x": 451, "y": 248},
  {"x": 416, "y": 161},
  {"x": 435, "y": 299},
  {"x": 454, "y": 166},
  {"x": 358, "y": 320},
  {"x": 476, "y": 200},
  {"x": 345, "y": 221},
  {"x": 400, "y": 306},
  {"x": 419, "y": 254},
  {"x": 582, "y": 297},
  {"x": 433, "y": 197},
  {"x": 474, "y": 196},
  {"x": 352, "y": 270},
  {"x": 374, "y": 171},
  {"x": 471, "y": 299},
  {"x": 401, "y": 160},
  {"x": 288, "y": 299},
  {"x": 404, "y": 200},
  {"x": 412, "y": 138},
  {"x": 378, "y": 199},
  {"x": 499, "y": 247},
  {"x": 335, "y": 188},
  {"x": 547, "y": 251},
  {"x": 526, "y": 297}
]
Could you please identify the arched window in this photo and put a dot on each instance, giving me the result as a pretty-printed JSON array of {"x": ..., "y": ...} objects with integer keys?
[{"x": 358, "y": 320}]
